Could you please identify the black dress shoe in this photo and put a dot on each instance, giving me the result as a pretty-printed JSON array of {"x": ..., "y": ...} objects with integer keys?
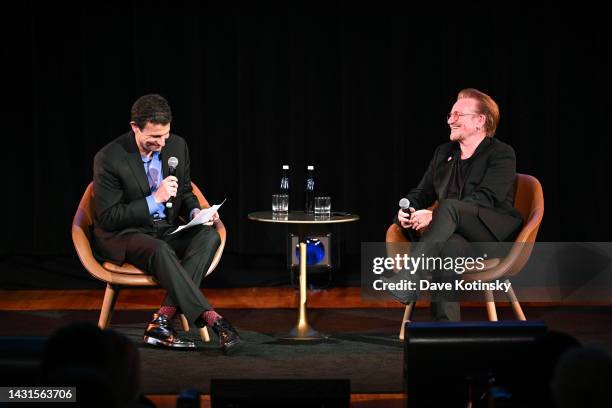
[
  {"x": 229, "y": 340},
  {"x": 160, "y": 333}
]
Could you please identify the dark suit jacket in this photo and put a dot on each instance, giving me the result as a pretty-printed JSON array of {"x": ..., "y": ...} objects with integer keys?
[
  {"x": 489, "y": 183},
  {"x": 120, "y": 191}
]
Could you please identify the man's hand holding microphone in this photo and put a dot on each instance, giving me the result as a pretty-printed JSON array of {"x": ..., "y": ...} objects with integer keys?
[
  {"x": 166, "y": 190},
  {"x": 169, "y": 186},
  {"x": 410, "y": 218}
]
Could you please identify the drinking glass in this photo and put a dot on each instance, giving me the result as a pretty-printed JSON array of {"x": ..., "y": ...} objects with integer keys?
[
  {"x": 280, "y": 203},
  {"x": 322, "y": 206}
]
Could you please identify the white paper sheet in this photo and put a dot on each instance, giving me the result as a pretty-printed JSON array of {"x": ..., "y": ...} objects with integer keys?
[{"x": 202, "y": 218}]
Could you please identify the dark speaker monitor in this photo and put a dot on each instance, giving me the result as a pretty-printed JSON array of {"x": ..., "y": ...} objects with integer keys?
[
  {"x": 448, "y": 364},
  {"x": 240, "y": 393}
]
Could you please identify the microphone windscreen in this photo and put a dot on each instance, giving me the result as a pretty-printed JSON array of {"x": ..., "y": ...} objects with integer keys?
[
  {"x": 172, "y": 162},
  {"x": 404, "y": 203}
]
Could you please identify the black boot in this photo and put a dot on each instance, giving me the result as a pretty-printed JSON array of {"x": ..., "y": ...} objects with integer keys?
[{"x": 160, "y": 333}]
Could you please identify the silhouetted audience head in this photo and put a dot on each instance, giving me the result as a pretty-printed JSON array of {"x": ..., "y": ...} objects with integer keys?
[
  {"x": 104, "y": 362},
  {"x": 549, "y": 349},
  {"x": 583, "y": 378},
  {"x": 93, "y": 388},
  {"x": 545, "y": 354}
]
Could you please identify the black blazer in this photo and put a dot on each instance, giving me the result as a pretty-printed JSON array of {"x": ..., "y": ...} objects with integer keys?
[
  {"x": 120, "y": 191},
  {"x": 489, "y": 183}
]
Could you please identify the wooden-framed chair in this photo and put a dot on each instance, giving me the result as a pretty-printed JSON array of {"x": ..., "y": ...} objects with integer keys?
[
  {"x": 117, "y": 276},
  {"x": 529, "y": 200}
]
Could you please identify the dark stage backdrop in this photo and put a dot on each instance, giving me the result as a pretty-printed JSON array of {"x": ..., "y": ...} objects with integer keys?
[{"x": 360, "y": 94}]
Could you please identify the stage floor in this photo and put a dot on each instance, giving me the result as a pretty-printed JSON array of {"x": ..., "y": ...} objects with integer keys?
[{"x": 363, "y": 344}]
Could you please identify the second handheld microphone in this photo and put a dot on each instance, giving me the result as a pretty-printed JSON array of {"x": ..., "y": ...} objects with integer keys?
[
  {"x": 405, "y": 206},
  {"x": 172, "y": 165}
]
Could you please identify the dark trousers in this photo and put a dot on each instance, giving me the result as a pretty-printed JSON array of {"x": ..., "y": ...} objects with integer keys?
[
  {"x": 455, "y": 224},
  {"x": 178, "y": 261}
]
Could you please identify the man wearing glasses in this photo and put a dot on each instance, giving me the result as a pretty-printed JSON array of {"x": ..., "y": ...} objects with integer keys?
[{"x": 472, "y": 179}]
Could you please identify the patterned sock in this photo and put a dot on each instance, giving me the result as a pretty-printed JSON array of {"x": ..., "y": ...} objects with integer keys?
[
  {"x": 169, "y": 311},
  {"x": 211, "y": 317}
]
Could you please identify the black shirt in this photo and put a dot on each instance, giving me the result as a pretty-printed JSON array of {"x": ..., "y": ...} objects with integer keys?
[{"x": 458, "y": 177}]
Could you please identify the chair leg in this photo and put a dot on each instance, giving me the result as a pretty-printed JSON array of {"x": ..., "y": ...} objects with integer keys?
[
  {"x": 108, "y": 305},
  {"x": 407, "y": 316},
  {"x": 516, "y": 306},
  {"x": 490, "y": 301},
  {"x": 184, "y": 322},
  {"x": 204, "y": 334},
  {"x": 203, "y": 331}
]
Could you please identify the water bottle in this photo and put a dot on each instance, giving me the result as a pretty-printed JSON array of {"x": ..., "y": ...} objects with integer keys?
[
  {"x": 284, "y": 183},
  {"x": 309, "y": 195}
]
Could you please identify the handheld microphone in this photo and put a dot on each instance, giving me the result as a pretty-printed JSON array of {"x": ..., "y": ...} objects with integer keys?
[
  {"x": 172, "y": 165},
  {"x": 405, "y": 205}
]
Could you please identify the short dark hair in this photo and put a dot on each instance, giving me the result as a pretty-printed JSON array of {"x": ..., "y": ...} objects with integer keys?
[{"x": 151, "y": 108}]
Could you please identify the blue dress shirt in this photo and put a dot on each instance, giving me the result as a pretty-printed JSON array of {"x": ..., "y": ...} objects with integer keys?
[{"x": 153, "y": 169}]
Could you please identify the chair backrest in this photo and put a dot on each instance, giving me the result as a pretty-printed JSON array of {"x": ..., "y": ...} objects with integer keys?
[
  {"x": 220, "y": 229},
  {"x": 529, "y": 200},
  {"x": 84, "y": 215},
  {"x": 81, "y": 237}
]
